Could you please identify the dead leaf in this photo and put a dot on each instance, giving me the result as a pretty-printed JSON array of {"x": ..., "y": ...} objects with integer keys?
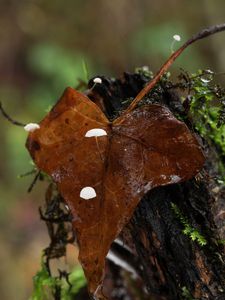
[{"x": 143, "y": 149}]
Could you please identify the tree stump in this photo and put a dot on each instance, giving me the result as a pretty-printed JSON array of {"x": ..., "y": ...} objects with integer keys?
[{"x": 169, "y": 263}]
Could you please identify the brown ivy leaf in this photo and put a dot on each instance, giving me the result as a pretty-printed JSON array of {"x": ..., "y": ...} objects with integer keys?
[{"x": 145, "y": 148}]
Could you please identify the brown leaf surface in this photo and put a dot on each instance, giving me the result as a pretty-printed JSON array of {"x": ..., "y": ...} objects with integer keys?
[{"x": 146, "y": 148}]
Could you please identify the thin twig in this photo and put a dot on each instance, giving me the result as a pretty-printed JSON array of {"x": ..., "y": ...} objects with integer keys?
[
  {"x": 27, "y": 173},
  {"x": 34, "y": 181},
  {"x": 7, "y": 117},
  {"x": 200, "y": 35}
]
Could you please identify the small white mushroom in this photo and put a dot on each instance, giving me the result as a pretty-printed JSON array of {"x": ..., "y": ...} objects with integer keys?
[
  {"x": 95, "y": 132},
  {"x": 177, "y": 37},
  {"x": 97, "y": 80},
  {"x": 30, "y": 127},
  {"x": 87, "y": 193}
]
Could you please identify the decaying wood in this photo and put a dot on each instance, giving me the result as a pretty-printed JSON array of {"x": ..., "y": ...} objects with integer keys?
[
  {"x": 171, "y": 262},
  {"x": 146, "y": 148}
]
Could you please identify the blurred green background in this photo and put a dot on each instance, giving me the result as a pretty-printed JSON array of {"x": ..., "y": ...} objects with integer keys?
[{"x": 43, "y": 44}]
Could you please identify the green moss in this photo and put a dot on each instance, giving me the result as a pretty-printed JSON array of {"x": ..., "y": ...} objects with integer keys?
[
  {"x": 145, "y": 71},
  {"x": 77, "y": 281},
  {"x": 45, "y": 285},
  {"x": 207, "y": 110},
  {"x": 186, "y": 294},
  {"x": 188, "y": 230},
  {"x": 221, "y": 242}
]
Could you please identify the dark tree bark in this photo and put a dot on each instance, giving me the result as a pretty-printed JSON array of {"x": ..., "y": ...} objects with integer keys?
[{"x": 169, "y": 264}]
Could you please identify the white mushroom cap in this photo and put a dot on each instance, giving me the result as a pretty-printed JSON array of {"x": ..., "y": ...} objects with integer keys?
[
  {"x": 97, "y": 80},
  {"x": 95, "y": 132},
  {"x": 177, "y": 37},
  {"x": 87, "y": 193},
  {"x": 30, "y": 127}
]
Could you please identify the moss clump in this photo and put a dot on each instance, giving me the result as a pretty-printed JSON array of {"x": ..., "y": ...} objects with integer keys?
[
  {"x": 186, "y": 294},
  {"x": 205, "y": 106},
  {"x": 47, "y": 287},
  {"x": 188, "y": 230}
]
